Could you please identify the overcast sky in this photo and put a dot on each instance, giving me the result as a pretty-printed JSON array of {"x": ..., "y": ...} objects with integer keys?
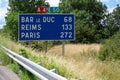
[{"x": 111, "y": 4}]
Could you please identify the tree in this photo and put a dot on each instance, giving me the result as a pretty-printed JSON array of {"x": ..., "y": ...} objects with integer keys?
[
  {"x": 25, "y": 6},
  {"x": 111, "y": 48},
  {"x": 116, "y": 16},
  {"x": 88, "y": 17},
  {"x": 111, "y": 23},
  {"x": 11, "y": 28},
  {"x": 17, "y": 7}
]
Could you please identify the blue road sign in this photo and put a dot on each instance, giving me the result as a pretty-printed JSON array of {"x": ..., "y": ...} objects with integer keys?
[{"x": 46, "y": 27}]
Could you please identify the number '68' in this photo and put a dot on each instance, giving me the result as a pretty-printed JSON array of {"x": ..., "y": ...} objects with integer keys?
[{"x": 67, "y": 19}]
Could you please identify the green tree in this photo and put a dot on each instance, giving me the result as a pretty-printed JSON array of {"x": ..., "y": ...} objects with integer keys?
[
  {"x": 25, "y": 6},
  {"x": 17, "y": 7},
  {"x": 111, "y": 47},
  {"x": 116, "y": 16},
  {"x": 111, "y": 23},
  {"x": 11, "y": 28},
  {"x": 88, "y": 17}
]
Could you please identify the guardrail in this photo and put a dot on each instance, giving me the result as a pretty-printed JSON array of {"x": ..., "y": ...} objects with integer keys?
[{"x": 39, "y": 71}]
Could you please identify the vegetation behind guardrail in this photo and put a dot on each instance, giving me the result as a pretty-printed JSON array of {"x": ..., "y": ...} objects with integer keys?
[{"x": 48, "y": 61}]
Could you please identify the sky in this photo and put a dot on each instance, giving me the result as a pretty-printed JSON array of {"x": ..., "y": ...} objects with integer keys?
[
  {"x": 111, "y": 4},
  {"x": 3, "y": 11}
]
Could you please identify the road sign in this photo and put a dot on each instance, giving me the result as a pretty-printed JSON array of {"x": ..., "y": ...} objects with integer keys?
[
  {"x": 41, "y": 9},
  {"x": 53, "y": 9},
  {"x": 46, "y": 27}
]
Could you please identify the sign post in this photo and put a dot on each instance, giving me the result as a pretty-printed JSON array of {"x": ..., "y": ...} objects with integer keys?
[{"x": 63, "y": 48}]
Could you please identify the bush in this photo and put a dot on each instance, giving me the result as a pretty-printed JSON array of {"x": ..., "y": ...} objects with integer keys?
[
  {"x": 111, "y": 48},
  {"x": 11, "y": 27},
  {"x": 23, "y": 52}
]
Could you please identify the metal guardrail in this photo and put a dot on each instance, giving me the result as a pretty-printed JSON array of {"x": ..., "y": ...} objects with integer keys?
[{"x": 39, "y": 71}]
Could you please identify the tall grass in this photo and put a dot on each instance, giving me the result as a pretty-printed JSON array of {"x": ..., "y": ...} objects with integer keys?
[
  {"x": 85, "y": 62},
  {"x": 76, "y": 51}
]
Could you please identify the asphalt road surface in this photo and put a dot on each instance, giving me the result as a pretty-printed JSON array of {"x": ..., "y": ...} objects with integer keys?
[{"x": 6, "y": 74}]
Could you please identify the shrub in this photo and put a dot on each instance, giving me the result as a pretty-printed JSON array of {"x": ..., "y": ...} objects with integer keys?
[
  {"x": 111, "y": 48},
  {"x": 23, "y": 52}
]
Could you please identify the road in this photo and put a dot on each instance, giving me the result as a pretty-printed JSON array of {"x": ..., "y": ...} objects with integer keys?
[{"x": 6, "y": 74}]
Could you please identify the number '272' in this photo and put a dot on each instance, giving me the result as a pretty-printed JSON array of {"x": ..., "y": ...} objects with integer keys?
[{"x": 66, "y": 35}]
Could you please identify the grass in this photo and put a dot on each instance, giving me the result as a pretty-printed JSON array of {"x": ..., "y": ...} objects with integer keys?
[
  {"x": 80, "y": 62},
  {"x": 109, "y": 70},
  {"x": 83, "y": 58},
  {"x": 76, "y": 51}
]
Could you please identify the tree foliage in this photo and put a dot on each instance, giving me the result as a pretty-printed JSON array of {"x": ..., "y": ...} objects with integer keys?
[
  {"x": 88, "y": 15},
  {"x": 111, "y": 23},
  {"x": 116, "y": 16},
  {"x": 25, "y": 6},
  {"x": 17, "y": 7},
  {"x": 11, "y": 29}
]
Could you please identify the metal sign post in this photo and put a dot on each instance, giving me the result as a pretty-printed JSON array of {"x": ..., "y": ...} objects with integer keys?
[{"x": 63, "y": 48}]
